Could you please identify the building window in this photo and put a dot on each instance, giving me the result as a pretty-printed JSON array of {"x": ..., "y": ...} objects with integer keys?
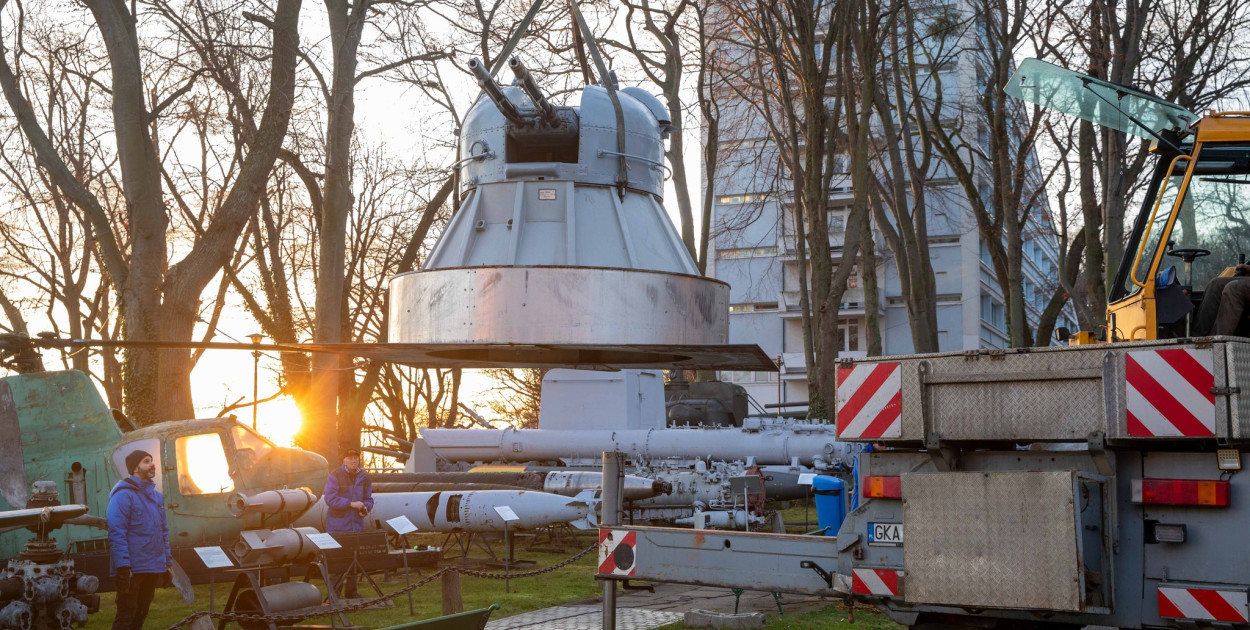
[
  {"x": 747, "y": 252},
  {"x": 993, "y": 312},
  {"x": 848, "y": 335},
  {"x": 736, "y": 199},
  {"x": 750, "y": 307},
  {"x": 749, "y": 377}
]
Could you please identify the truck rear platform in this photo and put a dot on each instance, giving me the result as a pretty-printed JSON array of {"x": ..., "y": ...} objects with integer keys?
[{"x": 1084, "y": 485}]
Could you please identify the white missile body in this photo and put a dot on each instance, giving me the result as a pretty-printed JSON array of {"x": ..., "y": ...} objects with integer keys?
[
  {"x": 472, "y": 511},
  {"x": 770, "y": 442},
  {"x": 722, "y": 519}
]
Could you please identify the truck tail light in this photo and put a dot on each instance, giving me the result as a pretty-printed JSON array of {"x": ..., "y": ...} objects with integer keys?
[
  {"x": 1181, "y": 492},
  {"x": 882, "y": 487}
]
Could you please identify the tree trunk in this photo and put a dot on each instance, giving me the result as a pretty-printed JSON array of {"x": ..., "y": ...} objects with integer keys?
[
  {"x": 328, "y": 369},
  {"x": 1091, "y": 211},
  {"x": 140, "y": 296},
  {"x": 872, "y": 296}
]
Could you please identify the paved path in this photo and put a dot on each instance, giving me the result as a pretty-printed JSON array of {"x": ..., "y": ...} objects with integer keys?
[{"x": 640, "y": 610}]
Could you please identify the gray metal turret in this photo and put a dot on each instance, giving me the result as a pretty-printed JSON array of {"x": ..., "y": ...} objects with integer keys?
[
  {"x": 547, "y": 194},
  {"x": 562, "y": 250}
]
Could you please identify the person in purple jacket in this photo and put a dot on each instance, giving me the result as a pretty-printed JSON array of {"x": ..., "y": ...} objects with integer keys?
[
  {"x": 348, "y": 497},
  {"x": 138, "y": 541}
]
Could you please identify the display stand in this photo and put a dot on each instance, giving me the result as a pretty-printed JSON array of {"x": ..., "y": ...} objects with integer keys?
[
  {"x": 465, "y": 541},
  {"x": 213, "y": 558},
  {"x": 402, "y": 526},
  {"x": 253, "y": 578}
]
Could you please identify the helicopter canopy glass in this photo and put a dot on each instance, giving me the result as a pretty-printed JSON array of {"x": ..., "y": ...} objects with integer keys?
[{"x": 1092, "y": 99}]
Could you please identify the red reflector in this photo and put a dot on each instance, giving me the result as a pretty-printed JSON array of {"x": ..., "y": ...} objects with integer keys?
[
  {"x": 1180, "y": 492},
  {"x": 882, "y": 487}
]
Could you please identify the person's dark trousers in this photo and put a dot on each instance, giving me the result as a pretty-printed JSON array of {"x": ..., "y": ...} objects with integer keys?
[
  {"x": 1223, "y": 306},
  {"x": 347, "y": 585},
  {"x": 132, "y": 606}
]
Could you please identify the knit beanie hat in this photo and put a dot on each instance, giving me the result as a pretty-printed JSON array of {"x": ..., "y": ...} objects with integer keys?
[{"x": 133, "y": 459}]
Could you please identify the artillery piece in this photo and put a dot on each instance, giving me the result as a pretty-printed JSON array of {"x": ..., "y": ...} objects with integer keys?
[
  {"x": 40, "y": 589},
  {"x": 562, "y": 253}
]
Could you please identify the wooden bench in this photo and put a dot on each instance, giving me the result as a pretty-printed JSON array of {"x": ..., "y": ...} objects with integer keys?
[{"x": 467, "y": 620}]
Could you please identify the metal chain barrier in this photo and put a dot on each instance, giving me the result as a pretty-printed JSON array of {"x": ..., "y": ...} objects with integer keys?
[{"x": 279, "y": 619}]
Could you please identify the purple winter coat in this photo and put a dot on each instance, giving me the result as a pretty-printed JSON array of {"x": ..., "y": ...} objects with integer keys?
[{"x": 341, "y": 489}]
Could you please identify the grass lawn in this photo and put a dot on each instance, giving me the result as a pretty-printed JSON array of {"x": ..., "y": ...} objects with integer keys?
[
  {"x": 832, "y": 617},
  {"x": 572, "y": 583}
]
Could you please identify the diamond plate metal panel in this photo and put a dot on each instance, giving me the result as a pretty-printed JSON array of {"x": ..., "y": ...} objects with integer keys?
[
  {"x": 1044, "y": 394},
  {"x": 992, "y": 540},
  {"x": 1037, "y": 396},
  {"x": 1238, "y": 357}
]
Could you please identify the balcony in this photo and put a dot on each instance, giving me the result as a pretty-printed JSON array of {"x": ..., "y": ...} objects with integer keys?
[
  {"x": 788, "y": 304},
  {"x": 852, "y": 303},
  {"x": 793, "y": 365}
]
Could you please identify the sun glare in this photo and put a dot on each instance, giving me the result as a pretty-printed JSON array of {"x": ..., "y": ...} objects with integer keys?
[
  {"x": 205, "y": 465},
  {"x": 279, "y": 420}
]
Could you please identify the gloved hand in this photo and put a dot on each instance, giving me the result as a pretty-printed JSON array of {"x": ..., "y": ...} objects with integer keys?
[
  {"x": 167, "y": 580},
  {"x": 123, "y": 579}
]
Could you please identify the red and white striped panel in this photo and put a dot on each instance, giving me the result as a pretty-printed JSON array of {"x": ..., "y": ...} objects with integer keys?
[
  {"x": 876, "y": 582},
  {"x": 616, "y": 552},
  {"x": 870, "y": 401},
  {"x": 1169, "y": 393},
  {"x": 1200, "y": 603}
]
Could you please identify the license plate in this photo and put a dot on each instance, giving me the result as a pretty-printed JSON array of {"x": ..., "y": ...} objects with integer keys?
[{"x": 885, "y": 534}]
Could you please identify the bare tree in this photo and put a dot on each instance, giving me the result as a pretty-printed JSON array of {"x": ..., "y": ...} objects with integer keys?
[
  {"x": 1193, "y": 54},
  {"x": 516, "y": 394},
  {"x": 659, "y": 50},
  {"x": 779, "y": 61},
  {"x": 159, "y": 300},
  {"x": 989, "y": 145}
]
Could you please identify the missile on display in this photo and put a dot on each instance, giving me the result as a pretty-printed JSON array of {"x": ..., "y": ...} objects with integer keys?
[
  {"x": 472, "y": 511},
  {"x": 272, "y": 547},
  {"x": 573, "y": 482},
  {"x": 569, "y": 483},
  {"x": 403, "y": 486},
  {"x": 722, "y": 519},
  {"x": 271, "y": 502},
  {"x": 814, "y": 445}
]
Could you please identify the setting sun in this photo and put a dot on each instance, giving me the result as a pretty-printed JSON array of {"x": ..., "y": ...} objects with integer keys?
[{"x": 279, "y": 420}]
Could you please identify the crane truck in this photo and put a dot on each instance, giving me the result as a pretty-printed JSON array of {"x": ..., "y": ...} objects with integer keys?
[{"x": 1087, "y": 484}]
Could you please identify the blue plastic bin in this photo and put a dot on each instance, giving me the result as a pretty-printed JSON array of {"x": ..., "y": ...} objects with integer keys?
[{"x": 830, "y": 493}]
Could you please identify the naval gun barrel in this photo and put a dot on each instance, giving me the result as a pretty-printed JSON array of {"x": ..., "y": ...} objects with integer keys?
[
  {"x": 496, "y": 95},
  {"x": 546, "y": 111}
]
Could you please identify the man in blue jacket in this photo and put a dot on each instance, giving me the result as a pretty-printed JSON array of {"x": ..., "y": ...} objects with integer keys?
[
  {"x": 138, "y": 541},
  {"x": 348, "y": 497}
]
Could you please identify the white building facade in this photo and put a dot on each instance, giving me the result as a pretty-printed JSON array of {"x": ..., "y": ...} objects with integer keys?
[{"x": 754, "y": 250}]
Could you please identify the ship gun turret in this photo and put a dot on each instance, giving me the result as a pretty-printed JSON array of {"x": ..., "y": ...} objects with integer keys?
[{"x": 537, "y": 130}]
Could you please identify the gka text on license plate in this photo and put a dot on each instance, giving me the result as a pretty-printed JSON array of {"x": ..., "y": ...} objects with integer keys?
[{"x": 888, "y": 534}]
